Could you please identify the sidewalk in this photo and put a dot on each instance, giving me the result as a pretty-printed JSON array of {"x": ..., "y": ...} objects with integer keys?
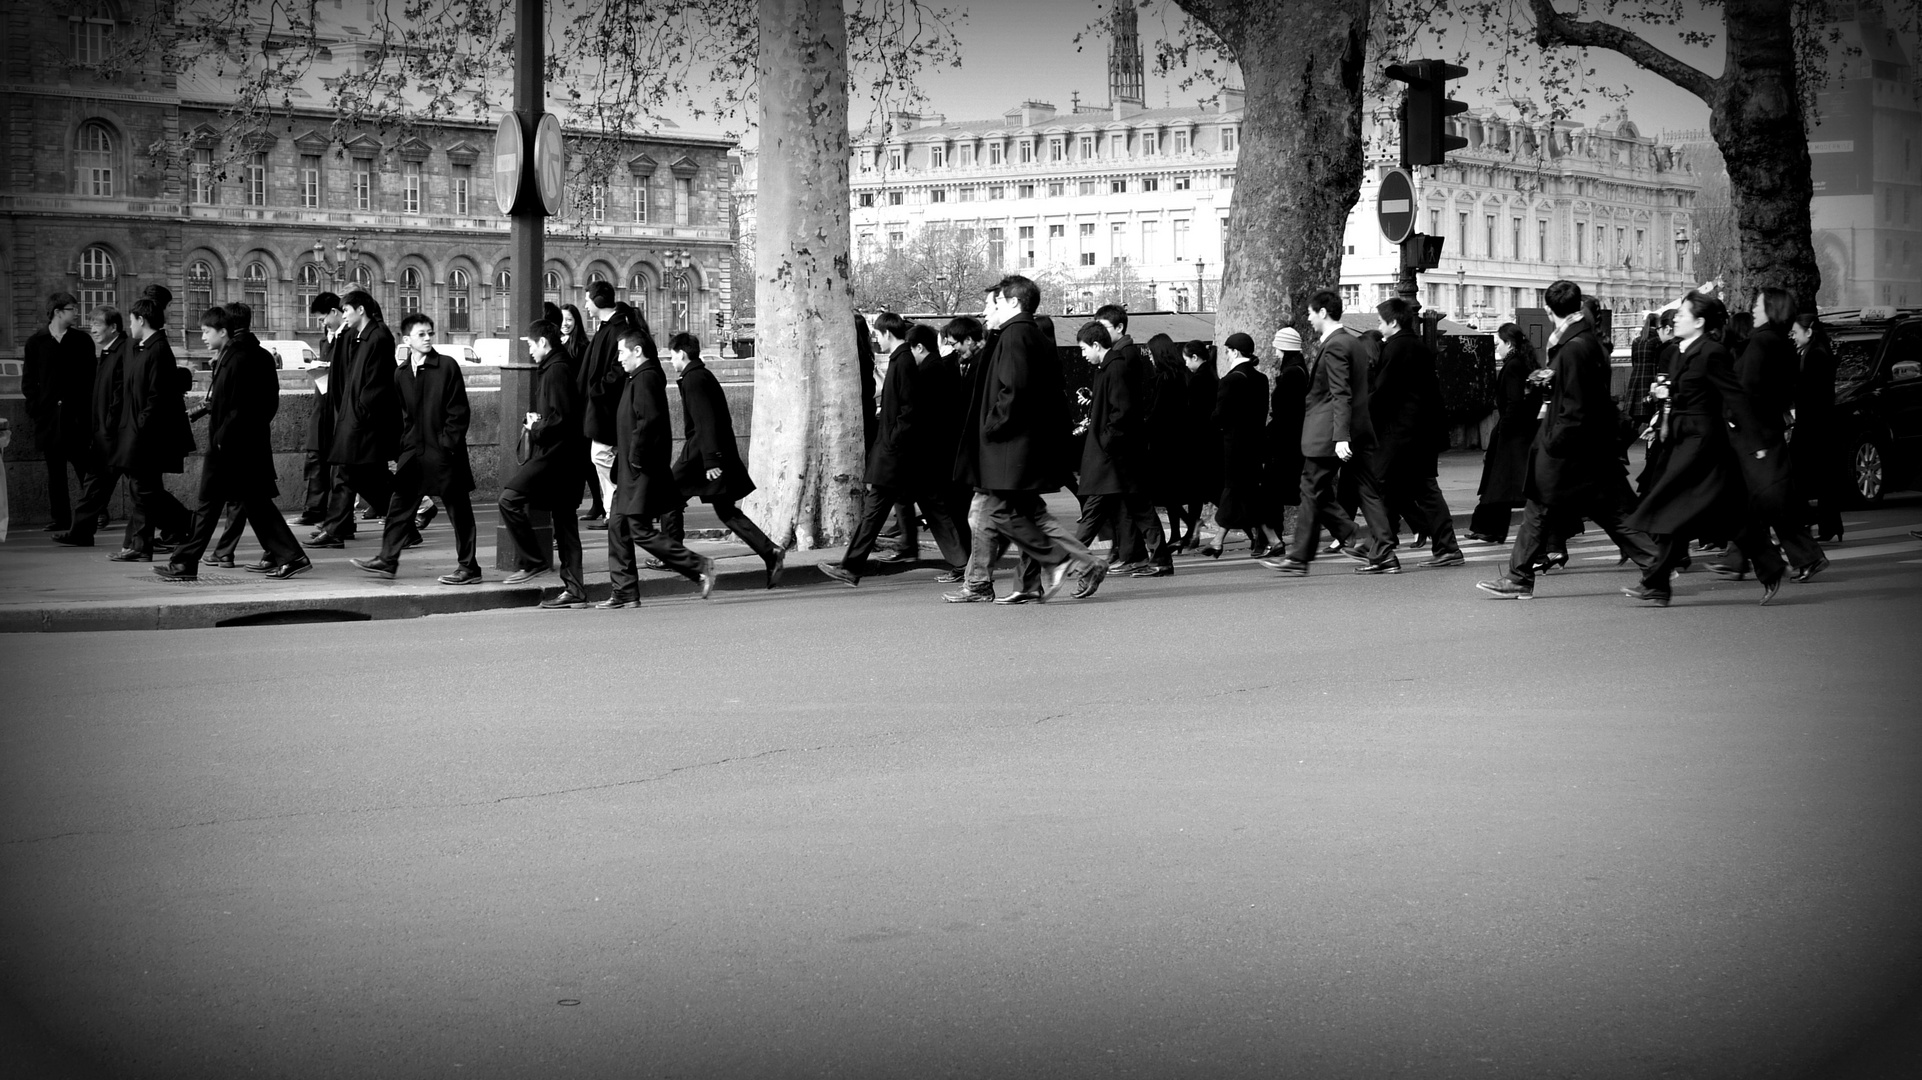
[{"x": 44, "y": 587}]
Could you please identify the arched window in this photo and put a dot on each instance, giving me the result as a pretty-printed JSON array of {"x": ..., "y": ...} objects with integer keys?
[
  {"x": 639, "y": 292},
  {"x": 93, "y": 159},
  {"x": 306, "y": 287},
  {"x": 92, "y": 31},
  {"x": 551, "y": 285},
  {"x": 409, "y": 291},
  {"x": 253, "y": 291},
  {"x": 99, "y": 279},
  {"x": 504, "y": 292},
  {"x": 457, "y": 301},
  {"x": 200, "y": 289},
  {"x": 595, "y": 275}
]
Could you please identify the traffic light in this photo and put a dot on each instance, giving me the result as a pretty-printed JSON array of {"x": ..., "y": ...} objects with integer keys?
[
  {"x": 1421, "y": 252},
  {"x": 1425, "y": 110}
]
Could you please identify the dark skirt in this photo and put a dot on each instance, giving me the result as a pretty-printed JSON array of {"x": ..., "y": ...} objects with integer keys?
[{"x": 1697, "y": 489}]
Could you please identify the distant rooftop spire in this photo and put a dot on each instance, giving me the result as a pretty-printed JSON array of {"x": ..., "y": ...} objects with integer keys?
[{"x": 1126, "y": 86}]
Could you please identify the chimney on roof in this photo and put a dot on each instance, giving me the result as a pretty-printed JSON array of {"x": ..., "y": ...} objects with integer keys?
[{"x": 1028, "y": 113}]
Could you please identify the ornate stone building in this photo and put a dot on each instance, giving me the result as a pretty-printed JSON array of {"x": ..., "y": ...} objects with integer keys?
[{"x": 89, "y": 207}]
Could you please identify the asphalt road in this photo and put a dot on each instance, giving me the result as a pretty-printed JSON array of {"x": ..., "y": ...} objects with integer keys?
[{"x": 1219, "y": 825}]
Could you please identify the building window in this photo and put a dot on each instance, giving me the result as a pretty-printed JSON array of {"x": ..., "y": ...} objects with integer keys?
[
  {"x": 1224, "y": 241},
  {"x": 1230, "y": 138},
  {"x": 597, "y": 202},
  {"x": 1024, "y": 191},
  {"x": 504, "y": 291},
  {"x": 1086, "y": 187},
  {"x": 1488, "y": 236},
  {"x": 364, "y": 279},
  {"x": 996, "y": 192},
  {"x": 463, "y": 190},
  {"x": 1057, "y": 149},
  {"x": 1087, "y": 148},
  {"x": 683, "y": 200},
  {"x": 938, "y": 195},
  {"x": 1151, "y": 183},
  {"x": 1057, "y": 243},
  {"x": 1087, "y": 243},
  {"x": 409, "y": 290},
  {"x": 1461, "y": 233},
  {"x": 92, "y": 32},
  {"x": 997, "y": 247},
  {"x": 1026, "y": 151},
  {"x": 1350, "y": 297},
  {"x": 93, "y": 159},
  {"x": 200, "y": 290},
  {"x": 310, "y": 181},
  {"x": 201, "y": 173},
  {"x": 1515, "y": 238},
  {"x": 363, "y": 183},
  {"x": 1117, "y": 187},
  {"x": 1183, "y": 183},
  {"x": 98, "y": 279},
  {"x": 1541, "y": 240},
  {"x": 1181, "y": 142},
  {"x": 457, "y": 298},
  {"x": 1117, "y": 242},
  {"x": 551, "y": 286},
  {"x": 866, "y": 199},
  {"x": 996, "y": 154},
  {"x": 896, "y": 238},
  {"x": 253, "y": 292},
  {"x": 1581, "y": 243},
  {"x": 1024, "y": 237},
  {"x": 965, "y": 155},
  {"x": 410, "y": 188},
  {"x": 254, "y": 180},
  {"x": 894, "y": 198},
  {"x": 965, "y": 194},
  {"x": 897, "y": 158},
  {"x": 638, "y": 294},
  {"x": 1150, "y": 144},
  {"x": 1150, "y": 241},
  {"x": 306, "y": 287},
  {"x": 1514, "y": 299},
  {"x": 1056, "y": 189},
  {"x": 640, "y": 201},
  {"x": 1181, "y": 240},
  {"x": 937, "y": 156}
]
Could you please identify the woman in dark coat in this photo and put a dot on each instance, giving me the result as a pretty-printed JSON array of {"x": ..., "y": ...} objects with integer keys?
[
  {"x": 1241, "y": 416},
  {"x": 1281, "y": 479},
  {"x": 1815, "y": 460},
  {"x": 573, "y": 336},
  {"x": 556, "y": 465},
  {"x": 1167, "y": 435},
  {"x": 1506, "y": 461},
  {"x": 1698, "y": 488},
  {"x": 1201, "y": 457}
]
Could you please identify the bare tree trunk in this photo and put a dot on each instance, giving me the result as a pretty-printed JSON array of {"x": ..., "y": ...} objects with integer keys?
[
  {"x": 1300, "y": 168},
  {"x": 806, "y": 444}
]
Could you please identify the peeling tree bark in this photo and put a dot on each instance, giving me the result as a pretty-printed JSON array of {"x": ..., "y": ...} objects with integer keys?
[
  {"x": 1755, "y": 117},
  {"x": 806, "y": 443},
  {"x": 1300, "y": 167}
]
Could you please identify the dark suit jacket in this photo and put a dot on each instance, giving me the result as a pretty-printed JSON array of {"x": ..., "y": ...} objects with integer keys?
[
  {"x": 556, "y": 470},
  {"x": 367, "y": 418},
  {"x": 1575, "y": 457},
  {"x": 1405, "y": 409},
  {"x": 320, "y": 423},
  {"x": 1111, "y": 455},
  {"x": 154, "y": 436},
  {"x": 708, "y": 440},
  {"x": 1336, "y": 407},
  {"x": 57, "y": 380},
  {"x": 434, "y": 436},
  {"x": 1020, "y": 413},
  {"x": 602, "y": 381},
  {"x": 1758, "y": 418},
  {"x": 241, "y": 402},
  {"x": 109, "y": 397},
  {"x": 643, "y": 469},
  {"x": 892, "y": 459}
]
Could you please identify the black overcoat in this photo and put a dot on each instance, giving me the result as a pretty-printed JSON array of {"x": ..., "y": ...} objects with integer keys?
[
  {"x": 1575, "y": 458},
  {"x": 1813, "y": 453},
  {"x": 1405, "y": 410},
  {"x": 1505, "y": 464},
  {"x": 1167, "y": 431},
  {"x": 367, "y": 412},
  {"x": 602, "y": 382},
  {"x": 1241, "y": 415},
  {"x": 320, "y": 423},
  {"x": 1112, "y": 453},
  {"x": 1018, "y": 423},
  {"x": 644, "y": 447},
  {"x": 434, "y": 406},
  {"x": 1759, "y": 420},
  {"x": 892, "y": 459},
  {"x": 57, "y": 380},
  {"x": 943, "y": 399},
  {"x": 109, "y": 397},
  {"x": 242, "y": 399},
  {"x": 154, "y": 436},
  {"x": 1282, "y": 479},
  {"x": 1201, "y": 451},
  {"x": 1697, "y": 489},
  {"x": 556, "y": 468},
  {"x": 707, "y": 440}
]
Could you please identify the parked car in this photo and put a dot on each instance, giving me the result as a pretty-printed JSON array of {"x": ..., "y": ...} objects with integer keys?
[
  {"x": 1878, "y": 397},
  {"x": 492, "y": 351},
  {"x": 292, "y": 354}
]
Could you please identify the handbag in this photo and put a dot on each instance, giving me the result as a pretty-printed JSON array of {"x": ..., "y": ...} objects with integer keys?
[{"x": 524, "y": 446}]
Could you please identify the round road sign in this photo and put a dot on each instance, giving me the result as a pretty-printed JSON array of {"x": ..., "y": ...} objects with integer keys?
[
  {"x": 509, "y": 153},
  {"x": 1395, "y": 205},
  {"x": 550, "y": 162}
]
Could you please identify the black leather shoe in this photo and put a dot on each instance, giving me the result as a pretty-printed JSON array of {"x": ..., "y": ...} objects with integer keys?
[
  {"x": 521, "y": 577},
  {"x": 1507, "y": 588},
  {"x": 170, "y": 572},
  {"x": 310, "y": 519},
  {"x": 1090, "y": 581},
  {"x": 130, "y": 555},
  {"x": 1288, "y": 566},
  {"x": 969, "y": 595},
  {"x": 895, "y": 556},
  {"x": 708, "y": 577},
  {"x": 1723, "y": 570},
  {"x": 1807, "y": 573},
  {"x": 613, "y": 603},
  {"x": 565, "y": 599},
  {"x": 1156, "y": 570},
  {"x": 949, "y": 577},
  {"x": 1769, "y": 589},
  {"x": 837, "y": 572},
  {"x": 775, "y": 568},
  {"x": 597, "y": 523},
  {"x": 1390, "y": 565},
  {"x": 375, "y": 567},
  {"x": 54, "y": 526},
  {"x": 1019, "y": 596},
  {"x": 68, "y": 539},
  {"x": 323, "y": 541},
  {"x": 293, "y": 569},
  {"x": 225, "y": 562},
  {"x": 462, "y": 576},
  {"x": 1654, "y": 597},
  {"x": 1356, "y": 552},
  {"x": 263, "y": 566}
]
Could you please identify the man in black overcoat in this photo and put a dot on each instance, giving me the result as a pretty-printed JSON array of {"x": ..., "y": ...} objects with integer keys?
[
  {"x": 367, "y": 418},
  {"x": 1405, "y": 407},
  {"x": 154, "y": 437},
  {"x": 102, "y": 424},
  {"x": 57, "y": 380},
  {"x": 1144, "y": 553},
  {"x": 320, "y": 423},
  {"x": 899, "y": 466},
  {"x": 555, "y": 471},
  {"x": 1575, "y": 467},
  {"x": 238, "y": 467},
  {"x": 432, "y": 459},
  {"x": 601, "y": 380},
  {"x": 709, "y": 466},
  {"x": 644, "y": 488},
  {"x": 1013, "y": 447},
  {"x": 1112, "y": 468},
  {"x": 1336, "y": 433}
]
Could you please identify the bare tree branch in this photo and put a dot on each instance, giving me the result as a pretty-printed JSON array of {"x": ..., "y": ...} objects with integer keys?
[{"x": 1553, "y": 28}]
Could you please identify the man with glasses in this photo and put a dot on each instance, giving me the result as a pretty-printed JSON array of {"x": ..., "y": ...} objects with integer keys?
[{"x": 57, "y": 381}]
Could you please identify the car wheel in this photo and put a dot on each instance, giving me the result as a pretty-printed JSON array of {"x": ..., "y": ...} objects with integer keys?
[{"x": 1868, "y": 470}]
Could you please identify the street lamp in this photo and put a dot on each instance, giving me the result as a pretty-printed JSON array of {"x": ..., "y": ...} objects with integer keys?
[
  {"x": 1681, "y": 250},
  {"x": 346, "y": 256},
  {"x": 1201, "y": 293},
  {"x": 676, "y": 270},
  {"x": 1461, "y": 292}
]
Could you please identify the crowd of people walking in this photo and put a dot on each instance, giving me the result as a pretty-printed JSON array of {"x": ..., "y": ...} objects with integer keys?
[{"x": 967, "y": 428}]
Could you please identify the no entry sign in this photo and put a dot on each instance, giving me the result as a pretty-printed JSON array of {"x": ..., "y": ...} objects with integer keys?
[{"x": 1395, "y": 205}]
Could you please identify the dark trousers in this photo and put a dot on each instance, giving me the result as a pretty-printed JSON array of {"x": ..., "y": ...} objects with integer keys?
[
  {"x": 269, "y": 528},
  {"x": 96, "y": 487},
  {"x": 154, "y": 508},
  {"x": 877, "y": 504},
  {"x": 1491, "y": 519},
  {"x": 373, "y": 482},
  {"x": 674, "y": 524},
  {"x": 404, "y": 501},
  {"x": 567, "y": 537},
  {"x": 625, "y": 532},
  {"x": 1320, "y": 508},
  {"x": 57, "y": 498},
  {"x": 1753, "y": 543},
  {"x": 320, "y": 482},
  {"x": 1131, "y": 522},
  {"x": 1418, "y": 500},
  {"x": 598, "y": 507},
  {"x": 229, "y": 539},
  {"x": 1022, "y": 517},
  {"x": 1541, "y": 526}
]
